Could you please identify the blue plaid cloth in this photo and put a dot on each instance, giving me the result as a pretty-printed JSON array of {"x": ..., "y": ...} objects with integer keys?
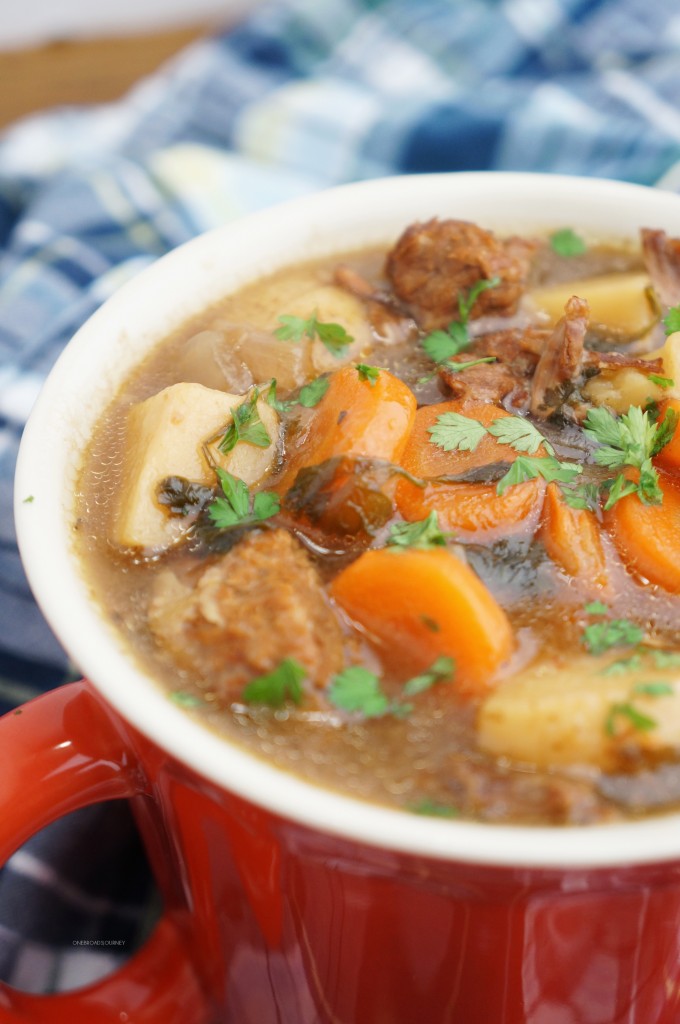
[{"x": 305, "y": 94}]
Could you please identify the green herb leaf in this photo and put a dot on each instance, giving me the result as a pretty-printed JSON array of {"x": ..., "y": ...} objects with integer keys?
[
  {"x": 527, "y": 468},
  {"x": 567, "y": 243},
  {"x": 520, "y": 434},
  {"x": 583, "y": 496},
  {"x": 662, "y": 382},
  {"x": 620, "y": 487},
  {"x": 276, "y": 403},
  {"x": 622, "y": 665},
  {"x": 284, "y": 683},
  {"x": 665, "y": 659},
  {"x": 234, "y": 508},
  {"x": 185, "y": 699},
  {"x": 358, "y": 689},
  {"x": 368, "y": 373},
  {"x": 442, "y": 345},
  {"x": 467, "y": 363},
  {"x": 295, "y": 328},
  {"x": 442, "y": 668},
  {"x": 423, "y": 534},
  {"x": 672, "y": 320},
  {"x": 654, "y": 689},
  {"x": 455, "y": 432},
  {"x": 596, "y": 608},
  {"x": 602, "y": 636},
  {"x": 639, "y": 721},
  {"x": 434, "y": 810},
  {"x": 312, "y": 393},
  {"x": 246, "y": 425}
]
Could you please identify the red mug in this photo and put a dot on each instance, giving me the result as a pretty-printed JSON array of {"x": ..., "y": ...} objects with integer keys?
[{"x": 283, "y": 902}]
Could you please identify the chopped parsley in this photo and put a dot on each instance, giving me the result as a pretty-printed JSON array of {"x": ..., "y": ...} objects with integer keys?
[
  {"x": 453, "y": 431},
  {"x": 29, "y": 499},
  {"x": 631, "y": 440},
  {"x": 284, "y": 683},
  {"x": 308, "y": 396},
  {"x": 661, "y": 382},
  {"x": 599, "y": 637},
  {"x": 442, "y": 345},
  {"x": 185, "y": 699},
  {"x": 441, "y": 669},
  {"x": 434, "y": 810},
  {"x": 295, "y": 328},
  {"x": 631, "y": 716},
  {"x": 671, "y": 321},
  {"x": 235, "y": 508},
  {"x": 246, "y": 425},
  {"x": 654, "y": 689},
  {"x": 368, "y": 373},
  {"x": 596, "y": 608},
  {"x": 582, "y": 496},
  {"x": 425, "y": 533},
  {"x": 566, "y": 242},
  {"x": 358, "y": 689}
]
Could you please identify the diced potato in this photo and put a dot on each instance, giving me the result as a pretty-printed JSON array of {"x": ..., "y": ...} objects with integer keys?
[
  {"x": 165, "y": 437},
  {"x": 619, "y": 389},
  {"x": 618, "y": 302},
  {"x": 577, "y": 713}
]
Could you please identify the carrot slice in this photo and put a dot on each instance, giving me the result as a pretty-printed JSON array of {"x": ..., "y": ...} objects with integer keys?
[
  {"x": 421, "y": 604},
  {"x": 648, "y": 536},
  {"x": 356, "y": 417},
  {"x": 473, "y": 509},
  {"x": 572, "y": 538},
  {"x": 669, "y": 456}
]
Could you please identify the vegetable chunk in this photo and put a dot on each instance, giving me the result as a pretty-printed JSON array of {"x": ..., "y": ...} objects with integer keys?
[
  {"x": 166, "y": 436},
  {"x": 368, "y": 418},
  {"x": 572, "y": 538},
  {"x": 420, "y": 605},
  {"x": 618, "y": 302},
  {"x": 648, "y": 536},
  {"x": 582, "y": 711}
]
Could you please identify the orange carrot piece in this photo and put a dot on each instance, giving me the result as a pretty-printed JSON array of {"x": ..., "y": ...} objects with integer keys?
[
  {"x": 648, "y": 536},
  {"x": 421, "y": 604},
  {"x": 669, "y": 456},
  {"x": 356, "y": 417},
  {"x": 572, "y": 538},
  {"x": 473, "y": 509}
]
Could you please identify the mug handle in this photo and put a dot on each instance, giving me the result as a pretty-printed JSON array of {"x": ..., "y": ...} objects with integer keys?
[{"x": 61, "y": 752}]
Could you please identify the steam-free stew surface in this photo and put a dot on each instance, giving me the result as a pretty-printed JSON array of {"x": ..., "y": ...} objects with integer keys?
[{"x": 406, "y": 522}]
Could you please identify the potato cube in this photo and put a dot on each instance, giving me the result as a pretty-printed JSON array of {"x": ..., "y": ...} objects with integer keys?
[{"x": 618, "y": 302}]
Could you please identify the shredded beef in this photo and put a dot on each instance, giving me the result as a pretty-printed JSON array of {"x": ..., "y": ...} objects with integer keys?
[
  {"x": 432, "y": 263},
  {"x": 260, "y": 603},
  {"x": 561, "y": 360},
  {"x": 516, "y": 353},
  {"x": 662, "y": 259}
]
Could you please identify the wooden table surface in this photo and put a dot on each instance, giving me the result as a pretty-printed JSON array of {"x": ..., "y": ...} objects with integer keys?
[{"x": 90, "y": 71}]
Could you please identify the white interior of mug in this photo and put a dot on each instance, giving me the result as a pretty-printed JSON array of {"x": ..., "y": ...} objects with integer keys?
[{"x": 117, "y": 337}]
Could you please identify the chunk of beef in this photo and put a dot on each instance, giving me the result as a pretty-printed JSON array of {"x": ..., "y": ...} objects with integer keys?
[
  {"x": 260, "y": 603},
  {"x": 516, "y": 353},
  {"x": 662, "y": 259},
  {"x": 432, "y": 263},
  {"x": 561, "y": 360}
]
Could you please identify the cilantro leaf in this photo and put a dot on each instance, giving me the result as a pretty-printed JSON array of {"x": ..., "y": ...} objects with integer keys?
[
  {"x": 566, "y": 242},
  {"x": 185, "y": 699},
  {"x": 358, "y": 689},
  {"x": 368, "y": 373},
  {"x": 662, "y": 382},
  {"x": 520, "y": 434},
  {"x": 246, "y": 425},
  {"x": 654, "y": 689},
  {"x": 276, "y": 403},
  {"x": 619, "y": 488},
  {"x": 278, "y": 686},
  {"x": 442, "y": 345},
  {"x": 233, "y": 509},
  {"x": 442, "y": 668},
  {"x": 455, "y": 432},
  {"x": 527, "y": 468},
  {"x": 434, "y": 810},
  {"x": 596, "y": 608},
  {"x": 583, "y": 496},
  {"x": 312, "y": 393},
  {"x": 602, "y": 636},
  {"x": 423, "y": 534},
  {"x": 295, "y": 328},
  {"x": 665, "y": 659},
  {"x": 671, "y": 320},
  {"x": 466, "y": 364},
  {"x": 639, "y": 721}
]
